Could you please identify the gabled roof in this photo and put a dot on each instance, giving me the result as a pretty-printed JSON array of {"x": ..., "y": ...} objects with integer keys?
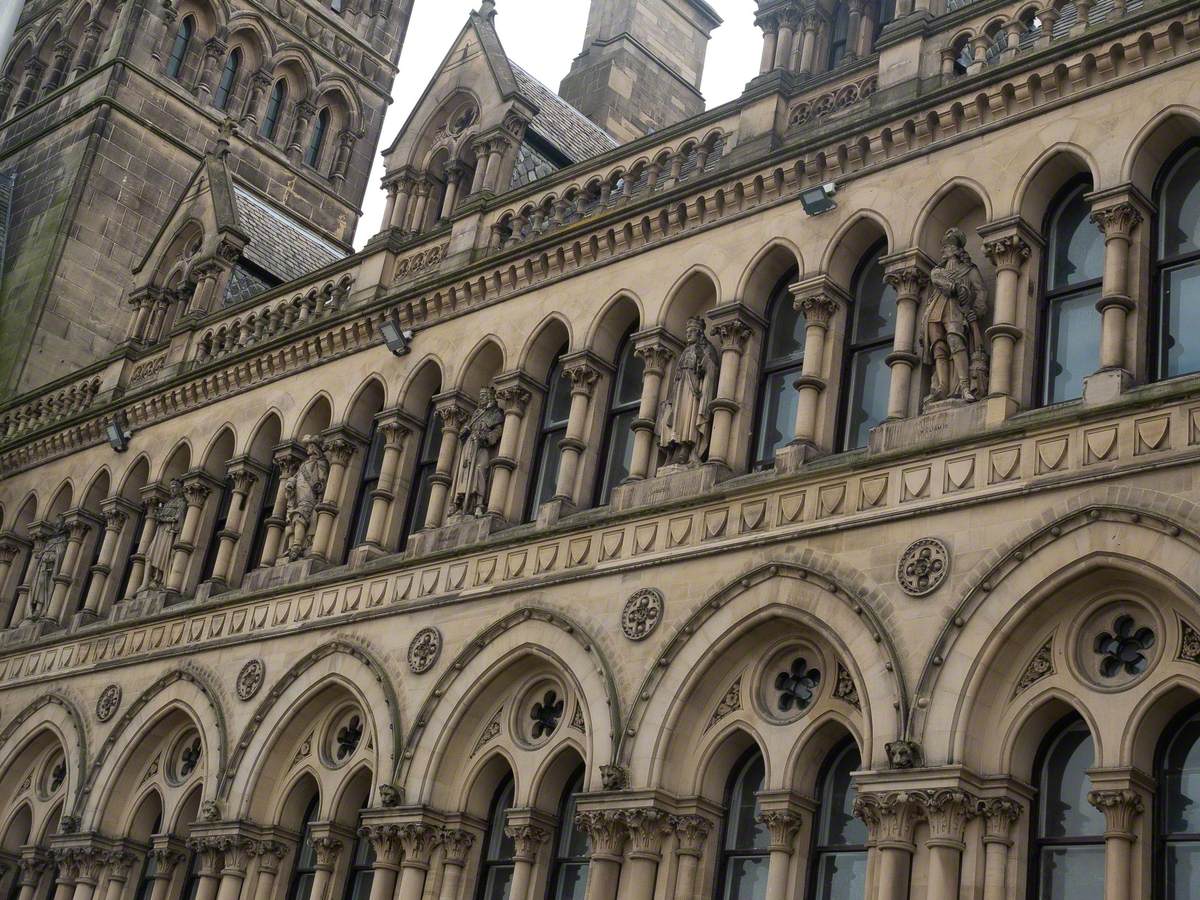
[
  {"x": 279, "y": 244},
  {"x": 560, "y": 124}
]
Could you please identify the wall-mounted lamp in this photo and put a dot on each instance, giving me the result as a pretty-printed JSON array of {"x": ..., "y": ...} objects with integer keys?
[
  {"x": 819, "y": 199},
  {"x": 118, "y": 431},
  {"x": 397, "y": 339}
]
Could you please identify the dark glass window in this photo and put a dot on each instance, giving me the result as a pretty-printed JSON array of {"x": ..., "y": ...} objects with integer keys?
[
  {"x": 122, "y": 563},
  {"x": 1071, "y": 325},
  {"x": 622, "y": 410},
  {"x": 229, "y": 74},
  {"x": 210, "y": 552},
  {"x": 496, "y": 873},
  {"x": 358, "y": 879},
  {"x": 840, "y": 855},
  {"x": 306, "y": 858},
  {"x": 745, "y": 841},
  {"x": 88, "y": 575},
  {"x": 867, "y": 376},
  {"x": 418, "y": 491},
  {"x": 145, "y": 883},
  {"x": 839, "y": 34},
  {"x": 555, "y": 412},
  {"x": 1179, "y": 810},
  {"x": 191, "y": 880},
  {"x": 1068, "y": 846},
  {"x": 368, "y": 481},
  {"x": 313, "y": 156},
  {"x": 569, "y": 871},
  {"x": 266, "y": 507},
  {"x": 179, "y": 49},
  {"x": 783, "y": 358},
  {"x": 1177, "y": 267},
  {"x": 270, "y": 123}
]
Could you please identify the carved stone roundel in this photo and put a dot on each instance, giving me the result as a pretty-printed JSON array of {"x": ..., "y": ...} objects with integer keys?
[
  {"x": 250, "y": 678},
  {"x": 642, "y": 613},
  {"x": 923, "y": 567},
  {"x": 424, "y": 650},
  {"x": 108, "y": 702}
]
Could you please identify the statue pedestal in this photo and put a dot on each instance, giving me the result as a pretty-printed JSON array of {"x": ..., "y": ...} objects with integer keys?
[
  {"x": 460, "y": 531},
  {"x": 143, "y": 603},
  {"x": 550, "y": 512},
  {"x": 284, "y": 573},
  {"x": 668, "y": 484},
  {"x": 1105, "y": 386},
  {"x": 364, "y": 553},
  {"x": 28, "y": 631},
  {"x": 792, "y": 457},
  {"x": 941, "y": 422}
]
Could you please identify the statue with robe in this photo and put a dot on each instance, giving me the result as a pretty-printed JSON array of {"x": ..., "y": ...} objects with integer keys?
[
  {"x": 169, "y": 516},
  {"x": 950, "y": 332},
  {"x": 480, "y": 439},
  {"x": 684, "y": 418},
  {"x": 304, "y": 490},
  {"x": 46, "y": 567}
]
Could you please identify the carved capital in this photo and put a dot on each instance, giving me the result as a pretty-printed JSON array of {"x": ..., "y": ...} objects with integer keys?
[
  {"x": 947, "y": 812},
  {"x": 526, "y": 839},
  {"x": 890, "y": 817},
  {"x": 605, "y": 830},
  {"x": 999, "y": 816},
  {"x": 782, "y": 826},
  {"x": 456, "y": 843},
  {"x": 1117, "y": 220},
  {"x": 907, "y": 281},
  {"x": 208, "y": 855},
  {"x": 115, "y": 519},
  {"x": 196, "y": 492},
  {"x": 119, "y": 863},
  {"x": 338, "y": 450},
  {"x": 243, "y": 479},
  {"x": 419, "y": 840},
  {"x": 236, "y": 853},
  {"x": 89, "y": 863},
  {"x": 270, "y": 854},
  {"x": 385, "y": 841},
  {"x": 513, "y": 399},
  {"x": 655, "y": 357},
  {"x": 165, "y": 860},
  {"x": 1120, "y": 808},
  {"x": 394, "y": 433},
  {"x": 647, "y": 828},
  {"x": 8, "y": 552},
  {"x": 583, "y": 377},
  {"x": 1009, "y": 252},
  {"x": 691, "y": 832},
  {"x": 327, "y": 850},
  {"x": 453, "y": 417},
  {"x": 817, "y": 309},
  {"x": 732, "y": 334},
  {"x": 31, "y": 869}
]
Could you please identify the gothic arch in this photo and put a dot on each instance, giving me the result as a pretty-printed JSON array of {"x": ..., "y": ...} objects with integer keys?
[
  {"x": 620, "y": 312},
  {"x": 345, "y": 94},
  {"x": 135, "y": 475},
  {"x": 60, "y": 715},
  {"x": 369, "y": 397},
  {"x": 694, "y": 292},
  {"x": 1161, "y": 136},
  {"x": 1055, "y": 167},
  {"x": 424, "y": 381},
  {"x": 1020, "y": 742},
  {"x": 485, "y": 361},
  {"x": 961, "y": 202},
  {"x": 851, "y": 242},
  {"x": 1157, "y": 709},
  {"x": 550, "y": 335},
  {"x": 314, "y": 418},
  {"x": 775, "y": 258},
  {"x": 221, "y": 446},
  {"x": 296, "y": 63},
  {"x": 266, "y": 433},
  {"x": 177, "y": 462}
]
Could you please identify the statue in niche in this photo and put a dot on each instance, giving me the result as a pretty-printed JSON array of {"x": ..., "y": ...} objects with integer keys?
[
  {"x": 950, "y": 334},
  {"x": 169, "y": 515},
  {"x": 684, "y": 418},
  {"x": 480, "y": 439},
  {"x": 42, "y": 586},
  {"x": 304, "y": 490}
]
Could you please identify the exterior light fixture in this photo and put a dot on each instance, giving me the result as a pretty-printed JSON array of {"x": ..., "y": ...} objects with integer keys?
[
  {"x": 819, "y": 199},
  {"x": 118, "y": 431},
  {"x": 396, "y": 338}
]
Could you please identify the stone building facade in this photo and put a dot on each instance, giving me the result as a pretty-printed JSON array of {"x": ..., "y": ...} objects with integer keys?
[{"x": 800, "y": 500}]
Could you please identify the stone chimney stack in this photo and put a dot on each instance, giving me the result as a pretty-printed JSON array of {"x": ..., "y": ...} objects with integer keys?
[{"x": 641, "y": 64}]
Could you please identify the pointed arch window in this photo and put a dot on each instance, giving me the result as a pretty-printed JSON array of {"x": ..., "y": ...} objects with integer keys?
[
  {"x": 1178, "y": 804},
  {"x": 422, "y": 482},
  {"x": 313, "y": 156},
  {"x": 569, "y": 871},
  {"x": 839, "y": 35},
  {"x": 555, "y": 412},
  {"x": 866, "y": 377},
  {"x": 270, "y": 124},
  {"x": 840, "y": 851},
  {"x": 1070, "y": 323},
  {"x": 362, "y": 863},
  {"x": 229, "y": 74},
  {"x": 266, "y": 507},
  {"x": 145, "y": 883},
  {"x": 744, "y": 840},
  {"x": 626, "y": 397},
  {"x": 783, "y": 358},
  {"x": 122, "y": 563},
  {"x": 224, "y": 498},
  {"x": 179, "y": 49},
  {"x": 368, "y": 482},
  {"x": 1068, "y": 845},
  {"x": 305, "y": 869},
  {"x": 496, "y": 871},
  {"x": 1177, "y": 266}
]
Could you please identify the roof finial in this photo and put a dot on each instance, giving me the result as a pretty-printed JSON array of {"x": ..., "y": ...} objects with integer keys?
[{"x": 487, "y": 9}]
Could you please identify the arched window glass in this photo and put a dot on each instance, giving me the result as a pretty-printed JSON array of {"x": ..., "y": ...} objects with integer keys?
[
  {"x": 841, "y": 839},
  {"x": 866, "y": 377},
  {"x": 498, "y": 848},
  {"x": 568, "y": 876},
  {"x": 306, "y": 858},
  {"x": 555, "y": 412},
  {"x": 745, "y": 841},
  {"x": 88, "y": 574},
  {"x": 1069, "y": 840},
  {"x": 224, "y": 496},
  {"x": 1071, "y": 325},
  {"x": 261, "y": 524},
  {"x": 179, "y": 49},
  {"x": 270, "y": 124},
  {"x": 838, "y": 34},
  {"x": 1178, "y": 267},
  {"x": 418, "y": 492},
  {"x": 229, "y": 74},
  {"x": 1179, "y": 811},
  {"x": 122, "y": 563},
  {"x": 338, "y": 6},
  {"x": 313, "y": 156},
  {"x": 783, "y": 357},
  {"x": 368, "y": 481},
  {"x": 358, "y": 879},
  {"x": 145, "y": 883},
  {"x": 623, "y": 405}
]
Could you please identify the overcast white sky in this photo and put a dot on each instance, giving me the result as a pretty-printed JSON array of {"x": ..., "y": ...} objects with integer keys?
[{"x": 543, "y": 36}]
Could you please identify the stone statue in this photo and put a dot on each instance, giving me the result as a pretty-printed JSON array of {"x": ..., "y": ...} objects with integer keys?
[
  {"x": 304, "y": 490},
  {"x": 480, "y": 439},
  {"x": 42, "y": 587},
  {"x": 169, "y": 515},
  {"x": 684, "y": 417},
  {"x": 950, "y": 336}
]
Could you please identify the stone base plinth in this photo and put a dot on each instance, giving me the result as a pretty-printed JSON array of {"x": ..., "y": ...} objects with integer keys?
[
  {"x": 144, "y": 603},
  {"x": 460, "y": 531},
  {"x": 27, "y": 631},
  {"x": 364, "y": 553},
  {"x": 550, "y": 512},
  {"x": 669, "y": 483},
  {"x": 792, "y": 457},
  {"x": 946, "y": 420},
  {"x": 1106, "y": 386},
  {"x": 284, "y": 573}
]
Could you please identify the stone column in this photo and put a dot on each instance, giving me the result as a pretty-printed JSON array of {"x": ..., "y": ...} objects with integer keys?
[
  {"x": 68, "y": 873},
  {"x": 207, "y": 274},
  {"x": 214, "y": 51},
  {"x": 119, "y": 863},
  {"x": 481, "y": 155},
  {"x": 417, "y": 223},
  {"x": 455, "y": 845},
  {"x": 385, "y": 841},
  {"x": 453, "y": 414},
  {"x": 1116, "y": 216},
  {"x": 63, "y": 51},
  {"x": 583, "y": 376},
  {"x": 327, "y": 850},
  {"x": 404, "y": 188},
  {"x": 9, "y": 549},
  {"x": 527, "y": 841},
  {"x": 782, "y": 826},
  {"x": 999, "y": 814},
  {"x": 166, "y": 855},
  {"x": 242, "y": 478},
  {"x": 195, "y": 492},
  {"x": 287, "y": 461},
  {"x": 514, "y": 400},
  {"x": 7, "y": 86},
  {"x": 419, "y": 840},
  {"x": 789, "y": 19},
  {"x": 34, "y": 70},
  {"x": 655, "y": 351},
  {"x": 139, "y": 574},
  {"x": 1120, "y": 808},
  {"x": 394, "y": 435},
  {"x": 270, "y": 853},
  {"x": 732, "y": 332},
  {"x": 646, "y": 829},
  {"x": 30, "y": 869},
  {"x": 947, "y": 812},
  {"x": 818, "y": 304},
  {"x": 338, "y": 451},
  {"x": 208, "y": 859},
  {"x": 236, "y": 854},
  {"x": 389, "y": 206},
  {"x": 606, "y": 839},
  {"x": 853, "y": 28},
  {"x": 256, "y": 97},
  {"x": 808, "y": 45},
  {"x": 907, "y": 277},
  {"x": 454, "y": 175},
  {"x": 890, "y": 819},
  {"x": 346, "y": 139},
  {"x": 1008, "y": 254},
  {"x": 770, "y": 29},
  {"x": 691, "y": 832},
  {"x": 89, "y": 864},
  {"x": 295, "y": 148},
  {"x": 496, "y": 148},
  {"x": 87, "y": 49},
  {"x": 114, "y": 523},
  {"x": 78, "y": 527}
]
